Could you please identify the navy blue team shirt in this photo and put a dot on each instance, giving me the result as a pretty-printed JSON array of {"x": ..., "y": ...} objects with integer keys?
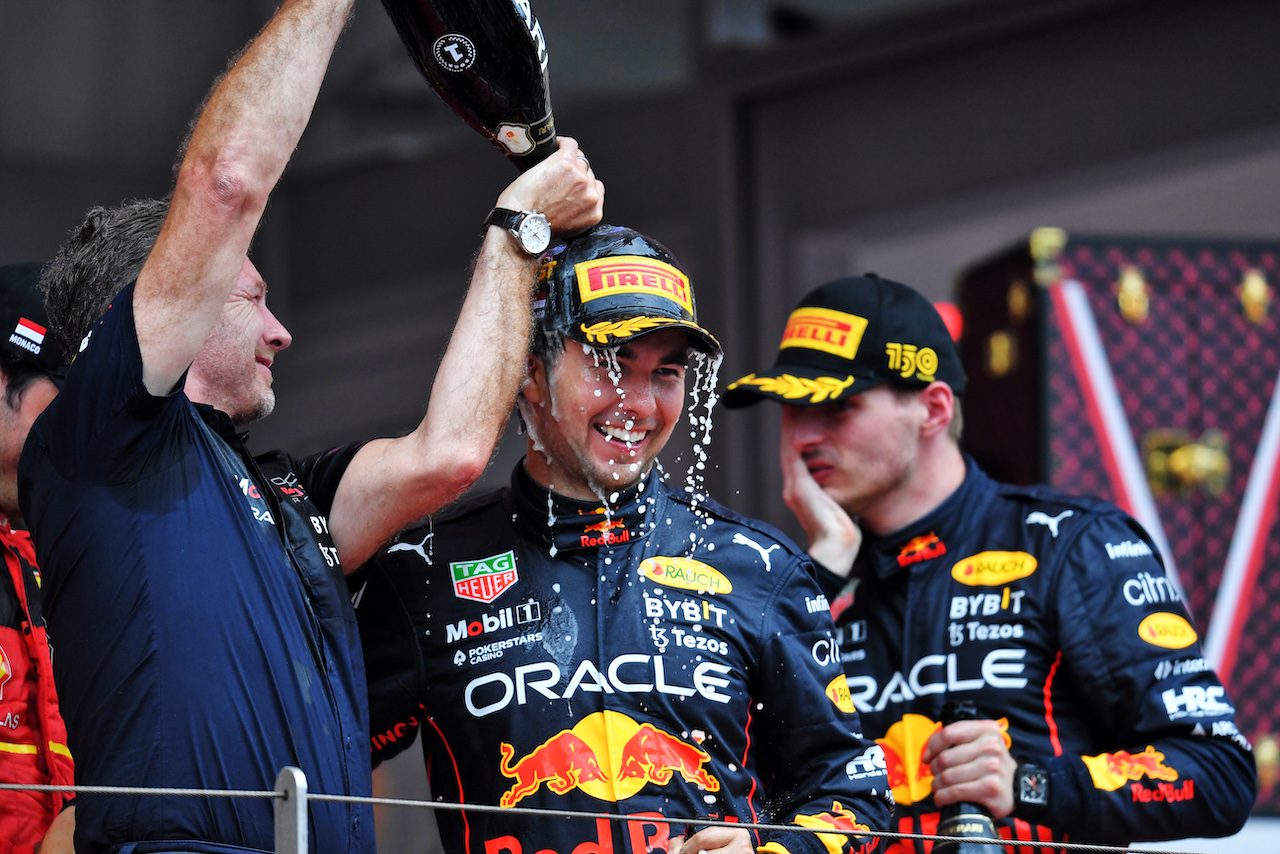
[{"x": 197, "y": 609}]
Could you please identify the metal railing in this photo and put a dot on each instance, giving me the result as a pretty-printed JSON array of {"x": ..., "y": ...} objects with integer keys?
[{"x": 292, "y": 799}]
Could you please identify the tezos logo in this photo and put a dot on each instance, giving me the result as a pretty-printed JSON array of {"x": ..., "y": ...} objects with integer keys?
[{"x": 454, "y": 52}]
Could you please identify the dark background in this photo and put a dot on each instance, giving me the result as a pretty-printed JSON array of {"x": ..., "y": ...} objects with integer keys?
[{"x": 771, "y": 145}]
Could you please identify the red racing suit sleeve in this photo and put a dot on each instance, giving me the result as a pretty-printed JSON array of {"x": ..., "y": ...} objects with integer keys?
[
  {"x": 1170, "y": 761},
  {"x": 819, "y": 769},
  {"x": 33, "y": 738}
]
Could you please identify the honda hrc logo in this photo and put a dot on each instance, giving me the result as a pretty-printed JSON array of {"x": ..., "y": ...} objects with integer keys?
[
  {"x": 1195, "y": 701},
  {"x": 868, "y": 763}
]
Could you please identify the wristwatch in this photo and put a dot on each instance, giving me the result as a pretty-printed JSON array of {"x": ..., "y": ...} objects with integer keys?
[
  {"x": 1030, "y": 790},
  {"x": 530, "y": 228}
]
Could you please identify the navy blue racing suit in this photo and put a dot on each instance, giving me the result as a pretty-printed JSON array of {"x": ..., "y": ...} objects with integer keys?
[
  {"x": 1054, "y": 615},
  {"x": 664, "y": 659}
]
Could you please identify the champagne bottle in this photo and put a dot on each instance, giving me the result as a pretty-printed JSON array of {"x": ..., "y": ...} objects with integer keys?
[
  {"x": 964, "y": 821},
  {"x": 487, "y": 60}
]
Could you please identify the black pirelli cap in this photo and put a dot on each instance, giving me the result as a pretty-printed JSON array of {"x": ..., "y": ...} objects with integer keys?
[{"x": 851, "y": 335}]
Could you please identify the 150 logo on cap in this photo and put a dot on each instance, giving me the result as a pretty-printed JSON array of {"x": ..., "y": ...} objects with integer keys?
[
  {"x": 632, "y": 274},
  {"x": 908, "y": 361},
  {"x": 825, "y": 329}
]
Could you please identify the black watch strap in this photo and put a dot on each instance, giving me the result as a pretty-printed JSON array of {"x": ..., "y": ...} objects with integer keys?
[{"x": 503, "y": 218}]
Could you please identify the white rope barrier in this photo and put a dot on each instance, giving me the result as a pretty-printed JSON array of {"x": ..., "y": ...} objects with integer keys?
[{"x": 292, "y": 797}]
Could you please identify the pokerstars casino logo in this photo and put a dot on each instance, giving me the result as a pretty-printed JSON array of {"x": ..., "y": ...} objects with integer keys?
[{"x": 486, "y": 579}]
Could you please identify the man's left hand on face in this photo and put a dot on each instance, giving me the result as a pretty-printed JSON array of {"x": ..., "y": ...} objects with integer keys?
[
  {"x": 834, "y": 538},
  {"x": 713, "y": 840},
  {"x": 971, "y": 763}
]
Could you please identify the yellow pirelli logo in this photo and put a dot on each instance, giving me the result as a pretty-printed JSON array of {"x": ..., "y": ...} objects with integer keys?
[
  {"x": 632, "y": 274},
  {"x": 824, "y": 329}
]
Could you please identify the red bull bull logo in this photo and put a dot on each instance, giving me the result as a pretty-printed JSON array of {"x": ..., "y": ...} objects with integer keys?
[
  {"x": 655, "y": 756},
  {"x": 607, "y": 532},
  {"x": 608, "y": 756},
  {"x": 920, "y": 549},
  {"x": 1110, "y": 771},
  {"x": 562, "y": 762},
  {"x": 839, "y": 819},
  {"x": 903, "y": 744}
]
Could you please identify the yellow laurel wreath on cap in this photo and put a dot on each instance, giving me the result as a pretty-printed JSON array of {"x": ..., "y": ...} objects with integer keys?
[
  {"x": 792, "y": 387},
  {"x": 600, "y": 333}
]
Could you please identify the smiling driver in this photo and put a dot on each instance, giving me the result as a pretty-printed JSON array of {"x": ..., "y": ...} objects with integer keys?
[{"x": 592, "y": 639}]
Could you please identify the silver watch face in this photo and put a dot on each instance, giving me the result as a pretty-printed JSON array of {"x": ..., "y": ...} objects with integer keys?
[
  {"x": 1033, "y": 786},
  {"x": 534, "y": 233}
]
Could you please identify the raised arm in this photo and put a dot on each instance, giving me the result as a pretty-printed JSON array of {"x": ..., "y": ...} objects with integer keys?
[
  {"x": 241, "y": 142},
  {"x": 392, "y": 482}
]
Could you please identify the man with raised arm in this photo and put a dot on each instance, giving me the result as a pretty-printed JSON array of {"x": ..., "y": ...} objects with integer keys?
[{"x": 195, "y": 593}]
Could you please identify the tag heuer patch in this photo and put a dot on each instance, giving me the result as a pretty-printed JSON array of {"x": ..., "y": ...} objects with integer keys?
[{"x": 484, "y": 580}]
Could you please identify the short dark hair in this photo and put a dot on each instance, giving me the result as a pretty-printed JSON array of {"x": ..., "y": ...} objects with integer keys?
[
  {"x": 547, "y": 346},
  {"x": 19, "y": 375},
  {"x": 99, "y": 259}
]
